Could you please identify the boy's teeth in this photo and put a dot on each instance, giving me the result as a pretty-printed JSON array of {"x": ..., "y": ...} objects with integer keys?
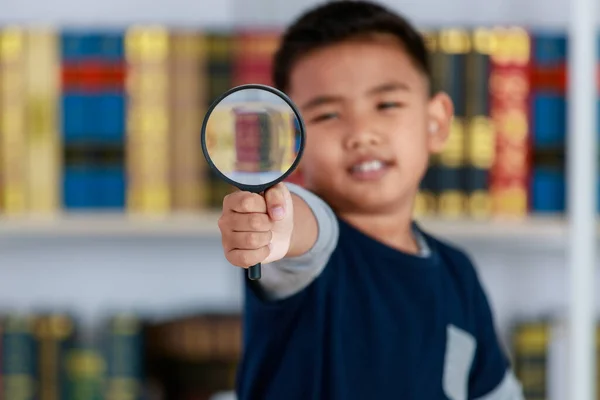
[{"x": 369, "y": 166}]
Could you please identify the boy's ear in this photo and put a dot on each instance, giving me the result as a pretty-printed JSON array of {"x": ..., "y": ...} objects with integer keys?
[{"x": 440, "y": 114}]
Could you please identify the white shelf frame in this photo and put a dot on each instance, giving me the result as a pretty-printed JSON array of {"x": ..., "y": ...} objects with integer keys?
[
  {"x": 205, "y": 224},
  {"x": 582, "y": 178}
]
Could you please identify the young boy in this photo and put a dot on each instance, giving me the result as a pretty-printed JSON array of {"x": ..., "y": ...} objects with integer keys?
[{"x": 356, "y": 302}]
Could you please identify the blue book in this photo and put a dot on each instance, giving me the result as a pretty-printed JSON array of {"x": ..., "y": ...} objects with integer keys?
[
  {"x": 76, "y": 45},
  {"x": 111, "y": 115},
  {"x": 112, "y": 46},
  {"x": 78, "y": 188},
  {"x": 74, "y": 111},
  {"x": 20, "y": 361},
  {"x": 111, "y": 187},
  {"x": 549, "y": 48},
  {"x": 548, "y": 189},
  {"x": 124, "y": 354},
  {"x": 549, "y": 119}
]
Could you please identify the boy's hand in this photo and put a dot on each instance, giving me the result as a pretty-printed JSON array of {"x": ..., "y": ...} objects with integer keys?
[{"x": 257, "y": 229}]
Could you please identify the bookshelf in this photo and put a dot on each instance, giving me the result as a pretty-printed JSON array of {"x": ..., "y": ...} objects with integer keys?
[
  {"x": 166, "y": 263},
  {"x": 525, "y": 235}
]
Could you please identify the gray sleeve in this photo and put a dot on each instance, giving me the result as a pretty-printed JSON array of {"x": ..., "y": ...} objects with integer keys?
[{"x": 288, "y": 276}]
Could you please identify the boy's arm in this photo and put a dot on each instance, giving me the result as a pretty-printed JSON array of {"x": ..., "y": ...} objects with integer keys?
[
  {"x": 492, "y": 377},
  {"x": 314, "y": 237}
]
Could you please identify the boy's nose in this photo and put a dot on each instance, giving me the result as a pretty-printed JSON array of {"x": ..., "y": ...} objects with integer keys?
[{"x": 362, "y": 138}]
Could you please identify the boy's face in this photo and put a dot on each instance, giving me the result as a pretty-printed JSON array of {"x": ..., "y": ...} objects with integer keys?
[{"x": 371, "y": 124}]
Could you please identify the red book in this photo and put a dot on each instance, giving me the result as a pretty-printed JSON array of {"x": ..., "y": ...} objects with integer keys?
[
  {"x": 510, "y": 88},
  {"x": 254, "y": 56}
]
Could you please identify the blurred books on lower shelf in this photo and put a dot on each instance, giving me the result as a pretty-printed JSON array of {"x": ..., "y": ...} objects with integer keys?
[
  {"x": 44, "y": 357},
  {"x": 539, "y": 355},
  {"x": 110, "y": 119},
  {"x": 194, "y": 357}
]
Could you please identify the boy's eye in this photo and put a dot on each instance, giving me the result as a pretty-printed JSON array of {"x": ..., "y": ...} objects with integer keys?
[
  {"x": 323, "y": 117},
  {"x": 389, "y": 104}
]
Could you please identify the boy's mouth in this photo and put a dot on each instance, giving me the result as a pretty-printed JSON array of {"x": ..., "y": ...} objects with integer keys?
[{"x": 371, "y": 169}]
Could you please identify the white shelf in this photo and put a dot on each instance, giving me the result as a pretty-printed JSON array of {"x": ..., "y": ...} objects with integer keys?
[
  {"x": 110, "y": 225},
  {"x": 205, "y": 224}
]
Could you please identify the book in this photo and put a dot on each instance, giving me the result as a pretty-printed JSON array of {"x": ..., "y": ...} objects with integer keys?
[
  {"x": 480, "y": 135},
  {"x": 454, "y": 45},
  {"x": 548, "y": 122},
  {"x": 510, "y": 89},
  {"x": 426, "y": 198},
  {"x": 44, "y": 164},
  {"x": 93, "y": 119},
  {"x": 19, "y": 358},
  {"x": 124, "y": 358},
  {"x": 221, "y": 64},
  {"x": 55, "y": 335},
  {"x": 149, "y": 124},
  {"x": 85, "y": 373},
  {"x": 13, "y": 121},
  {"x": 189, "y": 96},
  {"x": 254, "y": 51},
  {"x": 531, "y": 342}
]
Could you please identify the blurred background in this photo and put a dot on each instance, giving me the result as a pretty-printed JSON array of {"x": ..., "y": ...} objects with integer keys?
[{"x": 113, "y": 281}]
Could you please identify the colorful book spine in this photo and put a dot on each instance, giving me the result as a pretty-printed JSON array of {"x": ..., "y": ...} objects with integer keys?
[
  {"x": 124, "y": 356},
  {"x": 13, "y": 121},
  {"x": 93, "y": 120},
  {"x": 220, "y": 63},
  {"x": 479, "y": 131},
  {"x": 111, "y": 118},
  {"x": 548, "y": 122},
  {"x": 44, "y": 169},
  {"x": 78, "y": 191},
  {"x": 425, "y": 201},
  {"x": 85, "y": 374},
  {"x": 188, "y": 106},
  {"x": 55, "y": 335},
  {"x": 221, "y": 56},
  {"x": 254, "y": 52},
  {"x": 509, "y": 109},
  {"x": 531, "y": 342},
  {"x": 148, "y": 143},
  {"x": 19, "y": 358},
  {"x": 454, "y": 45}
]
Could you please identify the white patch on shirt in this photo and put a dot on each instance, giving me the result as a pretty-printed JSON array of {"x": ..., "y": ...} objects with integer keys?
[{"x": 460, "y": 352}]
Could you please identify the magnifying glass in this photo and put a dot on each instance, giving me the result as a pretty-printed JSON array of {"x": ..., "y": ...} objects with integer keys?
[{"x": 253, "y": 138}]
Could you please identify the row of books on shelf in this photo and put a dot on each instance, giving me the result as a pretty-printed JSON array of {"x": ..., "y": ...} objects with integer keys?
[
  {"x": 94, "y": 120},
  {"x": 46, "y": 357},
  {"x": 539, "y": 354},
  {"x": 194, "y": 356}
]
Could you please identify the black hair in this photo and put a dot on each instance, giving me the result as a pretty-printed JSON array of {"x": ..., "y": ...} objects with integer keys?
[{"x": 336, "y": 21}]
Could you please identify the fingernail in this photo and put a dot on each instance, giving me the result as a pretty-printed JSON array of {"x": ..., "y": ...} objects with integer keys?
[{"x": 277, "y": 212}]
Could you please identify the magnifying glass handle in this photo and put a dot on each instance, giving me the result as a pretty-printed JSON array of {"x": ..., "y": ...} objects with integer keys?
[{"x": 254, "y": 272}]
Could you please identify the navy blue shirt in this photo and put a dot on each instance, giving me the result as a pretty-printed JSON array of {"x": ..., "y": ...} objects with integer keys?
[{"x": 376, "y": 323}]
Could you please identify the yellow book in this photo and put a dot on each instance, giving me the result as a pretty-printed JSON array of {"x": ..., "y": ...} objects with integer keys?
[
  {"x": 12, "y": 121},
  {"x": 43, "y": 135},
  {"x": 187, "y": 107},
  {"x": 147, "y": 52}
]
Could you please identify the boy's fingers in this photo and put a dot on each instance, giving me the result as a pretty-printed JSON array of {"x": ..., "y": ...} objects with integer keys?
[
  {"x": 275, "y": 200},
  {"x": 252, "y": 222},
  {"x": 247, "y": 258},
  {"x": 249, "y": 240},
  {"x": 245, "y": 202}
]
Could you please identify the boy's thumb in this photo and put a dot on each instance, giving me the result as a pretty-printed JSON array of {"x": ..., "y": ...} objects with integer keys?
[{"x": 275, "y": 199}]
